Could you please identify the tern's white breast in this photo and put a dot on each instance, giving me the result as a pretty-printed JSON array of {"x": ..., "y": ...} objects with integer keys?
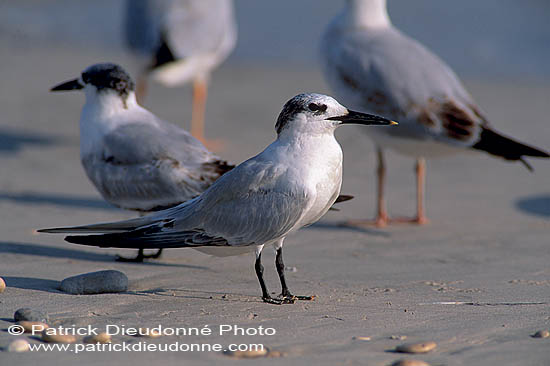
[{"x": 321, "y": 169}]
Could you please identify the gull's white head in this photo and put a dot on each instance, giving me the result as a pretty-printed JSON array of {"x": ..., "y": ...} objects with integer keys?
[
  {"x": 319, "y": 114},
  {"x": 367, "y": 13},
  {"x": 101, "y": 83}
]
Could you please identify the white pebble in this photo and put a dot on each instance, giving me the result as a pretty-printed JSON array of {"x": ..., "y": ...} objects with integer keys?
[
  {"x": 409, "y": 363},
  {"x": 541, "y": 334},
  {"x": 416, "y": 347},
  {"x": 248, "y": 354},
  {"x": 99, "y": 338},
  {"x": 29, "y": 326},
  {"x": 58, "y": 338},
  {"x": 19, "y": 345}
]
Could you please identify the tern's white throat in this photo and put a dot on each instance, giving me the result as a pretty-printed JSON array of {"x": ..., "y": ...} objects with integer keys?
[
  {"x": 108, "y": 102},
  {"x": 367, "y": 14}
]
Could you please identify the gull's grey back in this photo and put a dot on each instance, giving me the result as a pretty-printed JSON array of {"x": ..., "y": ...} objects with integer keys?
[
  {"x": 385, "y": 72},
  {"x": 189, "y": 26}
]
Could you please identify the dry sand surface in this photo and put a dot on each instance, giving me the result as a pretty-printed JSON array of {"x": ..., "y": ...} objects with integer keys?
[{"x": 476, "y": 280}]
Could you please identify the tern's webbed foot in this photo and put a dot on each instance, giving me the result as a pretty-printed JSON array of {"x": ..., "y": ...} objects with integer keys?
[
  {"x": 271, "y": 300},
  {"x": 291, "y": 299},
  {"x": 279, "y": 300}
]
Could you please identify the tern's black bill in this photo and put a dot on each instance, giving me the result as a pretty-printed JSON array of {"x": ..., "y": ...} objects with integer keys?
[
  {"x": 68, "y": 85},
  {"x": 363, "y": 119}
]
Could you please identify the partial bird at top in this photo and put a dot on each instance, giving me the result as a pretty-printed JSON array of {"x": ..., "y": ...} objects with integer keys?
[
  {"x": 136, "y": 160},
  {"x": 371, "y": 66},
  {"x": 181, "y": 41},
  {"x": 289, "y": 185}
]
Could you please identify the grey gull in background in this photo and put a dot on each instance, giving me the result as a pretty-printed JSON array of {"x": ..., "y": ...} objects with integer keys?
[
  {"x": 180, "y": 41},
  {"x": 371, "y": 66}
]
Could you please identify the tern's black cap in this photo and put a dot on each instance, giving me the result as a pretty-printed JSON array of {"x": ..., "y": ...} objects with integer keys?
[{"x": 108, "y": 76}]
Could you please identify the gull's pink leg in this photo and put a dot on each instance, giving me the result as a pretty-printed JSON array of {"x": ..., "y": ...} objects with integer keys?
[
  {"x": 382, "y": 213},
  {"x": 420, "y": 218},
  {"x": 200, "y": 94}
]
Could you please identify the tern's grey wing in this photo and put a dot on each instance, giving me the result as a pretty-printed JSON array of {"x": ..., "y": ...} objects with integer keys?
[
  {"x": 143, "y": 167},
  {"x": 389, "y": 73},
  {"x": 194, "y": 27},
  {"x": 253, "y": 204}
]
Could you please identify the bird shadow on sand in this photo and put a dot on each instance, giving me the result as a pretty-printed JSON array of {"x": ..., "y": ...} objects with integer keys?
[
  {"x": 535, "y": 205},
  {"x": 12, "y": 141},
  {"x": 324, "y": 225},
  {"x": 36, "y": 198},
  {"x": 33, "y": 283},
  {"x": 55, "y": 252},
  {"x": 199, "y": 295}
]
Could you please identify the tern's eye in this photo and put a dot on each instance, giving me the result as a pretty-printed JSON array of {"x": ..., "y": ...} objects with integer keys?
[
  {"x": 316, "y": 107},
  {"x": 313, "y": 107}
]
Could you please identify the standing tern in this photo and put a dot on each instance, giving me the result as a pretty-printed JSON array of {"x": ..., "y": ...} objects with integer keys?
[
  {"x": 136, "y": 160},
  {"x": 372, "y": 66},
  {"x": 181, "y": 41},
  {"x": 291, "y": 184}
]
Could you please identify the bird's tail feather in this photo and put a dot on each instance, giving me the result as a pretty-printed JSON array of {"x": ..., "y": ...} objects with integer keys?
[
  {"x": 104, "y": 228},
  {"x": 339, "y": 199},
  {"x": 150, "y": 237},
  {"x": 343, "y": 198},
  {"x": 507, "y": 148}
]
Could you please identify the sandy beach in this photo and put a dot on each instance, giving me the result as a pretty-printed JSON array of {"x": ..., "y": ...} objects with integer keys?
[{"x": 476, "y": 280}]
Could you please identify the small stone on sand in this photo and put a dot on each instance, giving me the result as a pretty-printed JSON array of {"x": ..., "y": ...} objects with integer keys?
[
  {"x": 58, "y": 338},
  {"x": 248, "y": 354},
  {"x": 95, "y": 283},
  {"x": 29, "y": 326},
  {"x": 19, "y": 345},
  {"x": 98, "y": 338},
  {"x": 2, "y": 285},
  {"x": 30, "y": 315},
  {"x": 409, "y": 363},
  {"x": 398, "y": 337},
  {"x": 541, "y": 334},
  {"x": 361, "y": 338},
  {"x": 416, "y": 347},
  {"x": 149, "y": 333}
]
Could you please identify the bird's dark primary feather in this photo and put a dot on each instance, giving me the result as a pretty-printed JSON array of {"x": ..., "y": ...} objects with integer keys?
[{"x": 507, "y": 148}]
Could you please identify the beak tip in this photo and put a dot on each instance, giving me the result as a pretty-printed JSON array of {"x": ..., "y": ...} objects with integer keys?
[
  {"x": 67, "y": 86},
  {"x": 393, "y": 123}
]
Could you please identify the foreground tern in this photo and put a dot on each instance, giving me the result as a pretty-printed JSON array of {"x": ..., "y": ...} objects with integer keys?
[
  {"x": 291, "y": 184},
  {"x": 372, "y": 66},
  {"x": 136, "y": 160},
  {"x": 181, "y": 41}
]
